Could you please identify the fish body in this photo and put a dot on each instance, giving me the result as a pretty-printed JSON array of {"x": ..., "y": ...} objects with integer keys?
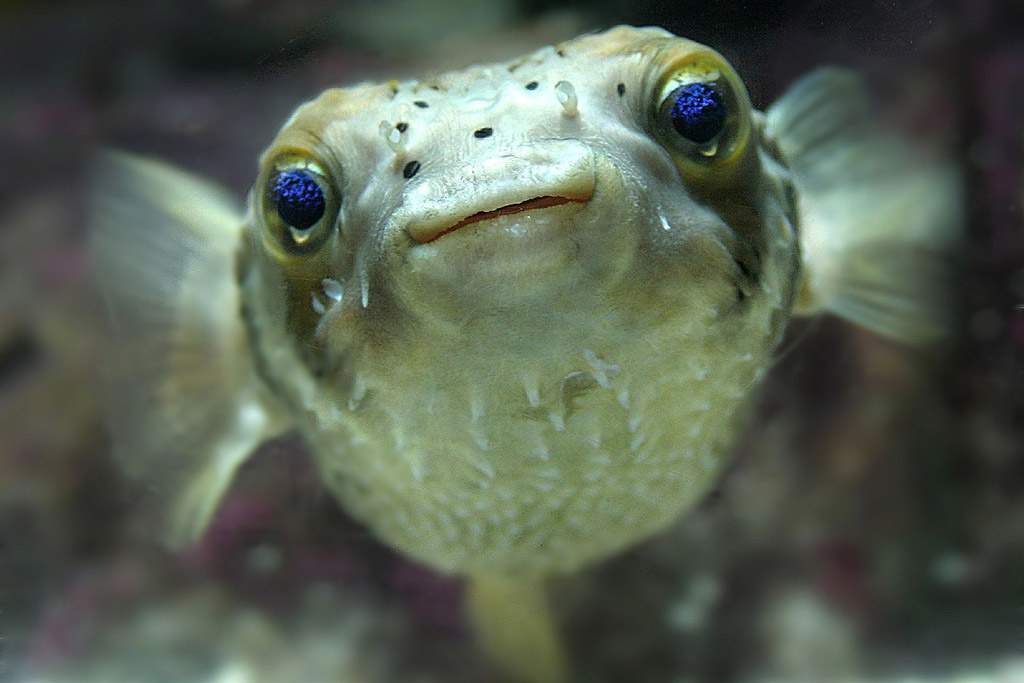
[{"x": 517, "y": 310}]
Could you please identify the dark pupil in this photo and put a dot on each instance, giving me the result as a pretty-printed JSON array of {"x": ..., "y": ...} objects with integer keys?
[
  {"x": 698, "y": 113},
  {"x": 298, "y": 198}
]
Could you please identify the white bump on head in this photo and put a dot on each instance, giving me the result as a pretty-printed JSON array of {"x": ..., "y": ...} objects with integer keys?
[
  {"x": 624, "y": 399},
  {"x": 394, "y": 138},
  {"x": 566, "y": 94},
  {"x": 637, "y": 442},
  {"x": 557, "y": 422}
]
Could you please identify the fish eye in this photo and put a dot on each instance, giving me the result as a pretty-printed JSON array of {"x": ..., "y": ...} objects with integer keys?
[
  {"x": 701, "y": 114},
  {"x": 697, "y": 112},
  {"x": 299, "y": 204},
  {"x": 299, "y": 198}
]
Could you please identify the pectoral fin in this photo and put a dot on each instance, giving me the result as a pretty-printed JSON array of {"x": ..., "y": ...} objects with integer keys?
[
  {"x": 185, "y": 407},
  {"x": 880, "y": 217}
]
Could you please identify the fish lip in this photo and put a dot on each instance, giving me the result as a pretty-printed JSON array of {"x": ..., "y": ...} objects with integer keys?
[
  {"x": 538, "y": 175},
  {"x": 536, "y": 203}
]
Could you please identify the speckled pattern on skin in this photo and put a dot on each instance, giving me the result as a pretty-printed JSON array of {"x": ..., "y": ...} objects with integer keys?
[{"x": 535, "y": 391}]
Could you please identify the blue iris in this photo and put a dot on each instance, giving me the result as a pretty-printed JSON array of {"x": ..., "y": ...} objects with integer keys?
[
  {"x": 698, "y": 113},
  {"x": 299, "y": 198}
]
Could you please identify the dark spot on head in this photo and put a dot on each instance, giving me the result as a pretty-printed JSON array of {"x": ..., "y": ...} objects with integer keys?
[
  {"x": 402, "y": 126},
  {"x": 532, "y": 85},
  {"x": 740, "y": 294},
  {"x": 621, "y": 89},
  {"x": 411, "y": 169},
  {"x": 743, "y": 268},
  {"x": 483, "y": 132},
  {"x": 421, "y": 104},
  {"x": 560, "y": 52},
  {"x": 435, "y": 87}
]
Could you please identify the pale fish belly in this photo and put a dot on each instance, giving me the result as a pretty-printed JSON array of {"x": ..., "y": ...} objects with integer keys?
[{"x": 543, "y": 478}]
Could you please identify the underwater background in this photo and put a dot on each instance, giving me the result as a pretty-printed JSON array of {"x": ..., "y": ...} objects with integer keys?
[{"x": 871, "y": 526}]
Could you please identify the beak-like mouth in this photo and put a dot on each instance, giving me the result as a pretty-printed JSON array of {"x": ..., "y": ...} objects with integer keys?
[
  {"x": 544, "y": 202},
  {"x": 534, "y": 177}
]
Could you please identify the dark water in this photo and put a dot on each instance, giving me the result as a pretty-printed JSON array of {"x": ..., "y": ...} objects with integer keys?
[{"x": 872, "y": 526}]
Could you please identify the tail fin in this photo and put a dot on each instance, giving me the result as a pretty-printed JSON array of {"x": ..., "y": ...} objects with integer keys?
[
  {"x": 879, "y": 220},
  {"x": 184, "y": 404}
]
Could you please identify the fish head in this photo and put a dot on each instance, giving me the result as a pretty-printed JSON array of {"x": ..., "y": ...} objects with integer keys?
[{"x": 477, "y": 255}]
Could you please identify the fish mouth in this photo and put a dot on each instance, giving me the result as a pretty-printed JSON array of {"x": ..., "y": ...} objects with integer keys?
[
  {"x": 542, "y": 202},
  {"x": 548, "y": 178}
]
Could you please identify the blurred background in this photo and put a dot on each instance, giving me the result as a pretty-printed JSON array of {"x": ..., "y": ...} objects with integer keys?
[{"x": 870, "y": 528}]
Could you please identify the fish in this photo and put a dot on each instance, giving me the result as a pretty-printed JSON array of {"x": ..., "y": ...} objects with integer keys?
[{"x": 518, "y": 311}]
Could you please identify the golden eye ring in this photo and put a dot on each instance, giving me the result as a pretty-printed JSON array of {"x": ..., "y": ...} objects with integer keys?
[
  {"x": 702, "y": 114},
  {"x": 299, "y": 204}
]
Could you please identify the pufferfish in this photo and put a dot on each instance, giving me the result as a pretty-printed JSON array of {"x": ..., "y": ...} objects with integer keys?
[{"x": 517, "y": 310}]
